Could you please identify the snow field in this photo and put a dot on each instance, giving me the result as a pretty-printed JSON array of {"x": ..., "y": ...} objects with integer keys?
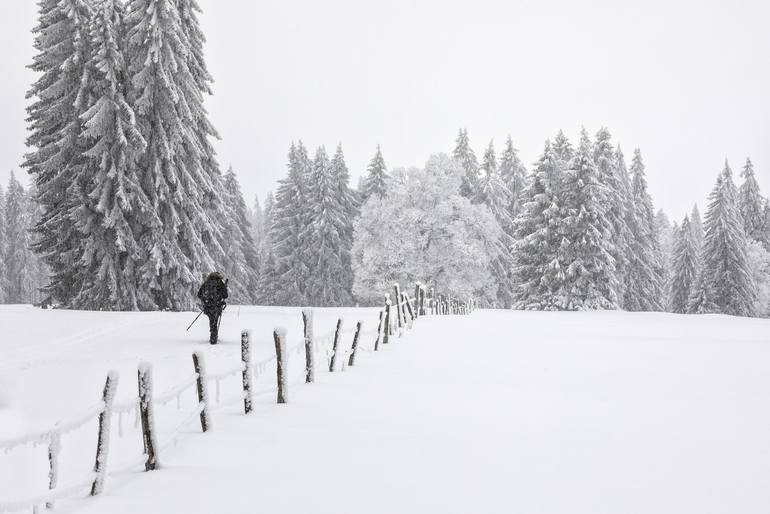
[{"x": 593, "y": 412}]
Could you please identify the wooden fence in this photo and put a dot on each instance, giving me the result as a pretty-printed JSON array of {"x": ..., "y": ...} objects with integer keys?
[{"x": 407, "y": 310}]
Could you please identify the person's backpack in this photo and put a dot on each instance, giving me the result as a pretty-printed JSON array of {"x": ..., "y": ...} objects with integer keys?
[{"x": 211, "y": 292}]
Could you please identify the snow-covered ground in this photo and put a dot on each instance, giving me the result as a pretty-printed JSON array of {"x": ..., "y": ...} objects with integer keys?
[{"x": 601, "y": 412}]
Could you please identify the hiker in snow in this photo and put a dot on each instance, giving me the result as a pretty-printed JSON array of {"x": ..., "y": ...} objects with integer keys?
[{"x": 212, "y": 294}]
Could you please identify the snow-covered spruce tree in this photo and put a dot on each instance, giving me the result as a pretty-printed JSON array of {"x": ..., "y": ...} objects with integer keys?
[
  {"x": 725, "y": 280},
  {"x": 465, "y": 155},
  {"x": 258, "y": 229},
  {"x": 111, "y": 199},
  {"x": 268, "y": 285},
  {"x": 3, "y": 242},
  {"x": 60, "y": 95},
  {"x": 349, "y": 205},
  {"x": 645, "y": 285},
  {"x": 18, "y": 261},
  {"x": 751, "y": 205},
  {"x": 242, "y": 264},
  {"x": 759, "y": 264},
  {"x": 493, "y": 193},
  {"x": 514, "y": 176},
  {"x": 537, "y": 272},
  {"x": 684, "y": 267},
  {"x": 697, "y": 229},
  {"x": 424, "y": 230},
  {"x": 178, "y": 175},
  {"x": 586, "y": 248},
  {"x": 289, "y": 220},
  {"x": 665, "y": 233},
  {"x": 616, "y": 202},
  {"x": 563, "y": 149},
  {"x": 325, "y": 237},
  {"x": 376, "y": 180}
]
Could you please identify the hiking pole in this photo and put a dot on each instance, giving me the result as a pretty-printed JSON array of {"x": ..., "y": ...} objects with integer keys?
[
  {"x": 219, "y": 323},
  {"x": 193, "y": 322}
]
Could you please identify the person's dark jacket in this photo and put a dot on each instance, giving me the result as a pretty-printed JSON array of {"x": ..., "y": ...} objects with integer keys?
[{"x": 213, "y": 292}]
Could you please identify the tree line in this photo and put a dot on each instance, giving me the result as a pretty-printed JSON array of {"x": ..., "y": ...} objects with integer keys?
[{"x": 129, "y": 207}]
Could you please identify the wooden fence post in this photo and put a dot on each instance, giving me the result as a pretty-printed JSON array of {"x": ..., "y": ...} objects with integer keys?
[
  {"x": 335, "y": 346},
  {"x": 379, "y": 332},
  {"x": 146, "y": 413},
  {"x": 246, "y": 372},
  {"x": 53, "y": 465},
  {"x": 408, "y": 307},
  {"x": 397, "y": 290},
  {"x": 281, "y": 364},
  {"x": 386, "y": 332},
  {"x": 421, "y": 301},
  {"x": 307, "y": 324},
  {"x": 352, "y": 358},
  {"x": 417, "y": 288},
  {"x": 102, "y": 441},
  {"x": 202, "y": 387}
]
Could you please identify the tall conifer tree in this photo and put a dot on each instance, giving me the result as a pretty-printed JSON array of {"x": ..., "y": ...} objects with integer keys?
[
  {"x": 750, "y": 203},
  {"x": 684, "y": 269},
  {"x": 376, "y": 181},
  {"x": 724, "y": 283},
  {"x": 465, "y": 155}
]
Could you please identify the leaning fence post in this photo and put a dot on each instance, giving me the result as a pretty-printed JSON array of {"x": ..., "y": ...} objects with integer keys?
[
  {"x": 146, "y": 413},
  {"x": 333, "y": 360},
  {"x": 246, "y": 371},
  {"x": 379, "y": 332},
  {"x": 408, "y": 307},
  {"x": 352, "y": 358},
  {"x": 307, "y": 324},
  {"x": 386, "y": 332},
  {"x": 102, "y": 441},
  {"x": 201, "y": 386},
  {"x": 281, "y": 363}
]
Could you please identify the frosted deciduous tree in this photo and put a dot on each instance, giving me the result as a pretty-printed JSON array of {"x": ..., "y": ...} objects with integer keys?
[
  {"x": 586, "y": 248},
  {"x": 424, "y": 230},
  {"x": 465, "y": 155},
  {"x": 684, "y": 267},
  {"x": 376, "y": 180},
  {"x": 537, "y": 272},
  {"x": 644, "y": 289},
  {"x": 725, "y": 282}
]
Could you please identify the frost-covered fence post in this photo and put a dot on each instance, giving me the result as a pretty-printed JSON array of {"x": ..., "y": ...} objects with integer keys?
[
  {"x": 352, "y": 358},
  {"x": 246, "y": 372},
  {"x": 54, "y": 445},
  {"x": 335, "y": 346},
  {"x": 202, "y": 388},
  {"x": 307, "y": 323},
  {"x": 408, "y": 307},
  {"x": 146, "y": 414},
  {"x": 432, "y": 300},
  {"x": 103, "y": 439},
  {"x": 379, "y": 332},
  {"x": 281, "y": 363},
  {"x": 417, "y": 300},
  {"x": 397, "y": 290},
  {"x": 386, "y": 331},
  {"x": 421, "y": 300}
]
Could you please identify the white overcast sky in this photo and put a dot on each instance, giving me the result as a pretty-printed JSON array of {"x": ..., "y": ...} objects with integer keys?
[{"x": 687, "y": 81}]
